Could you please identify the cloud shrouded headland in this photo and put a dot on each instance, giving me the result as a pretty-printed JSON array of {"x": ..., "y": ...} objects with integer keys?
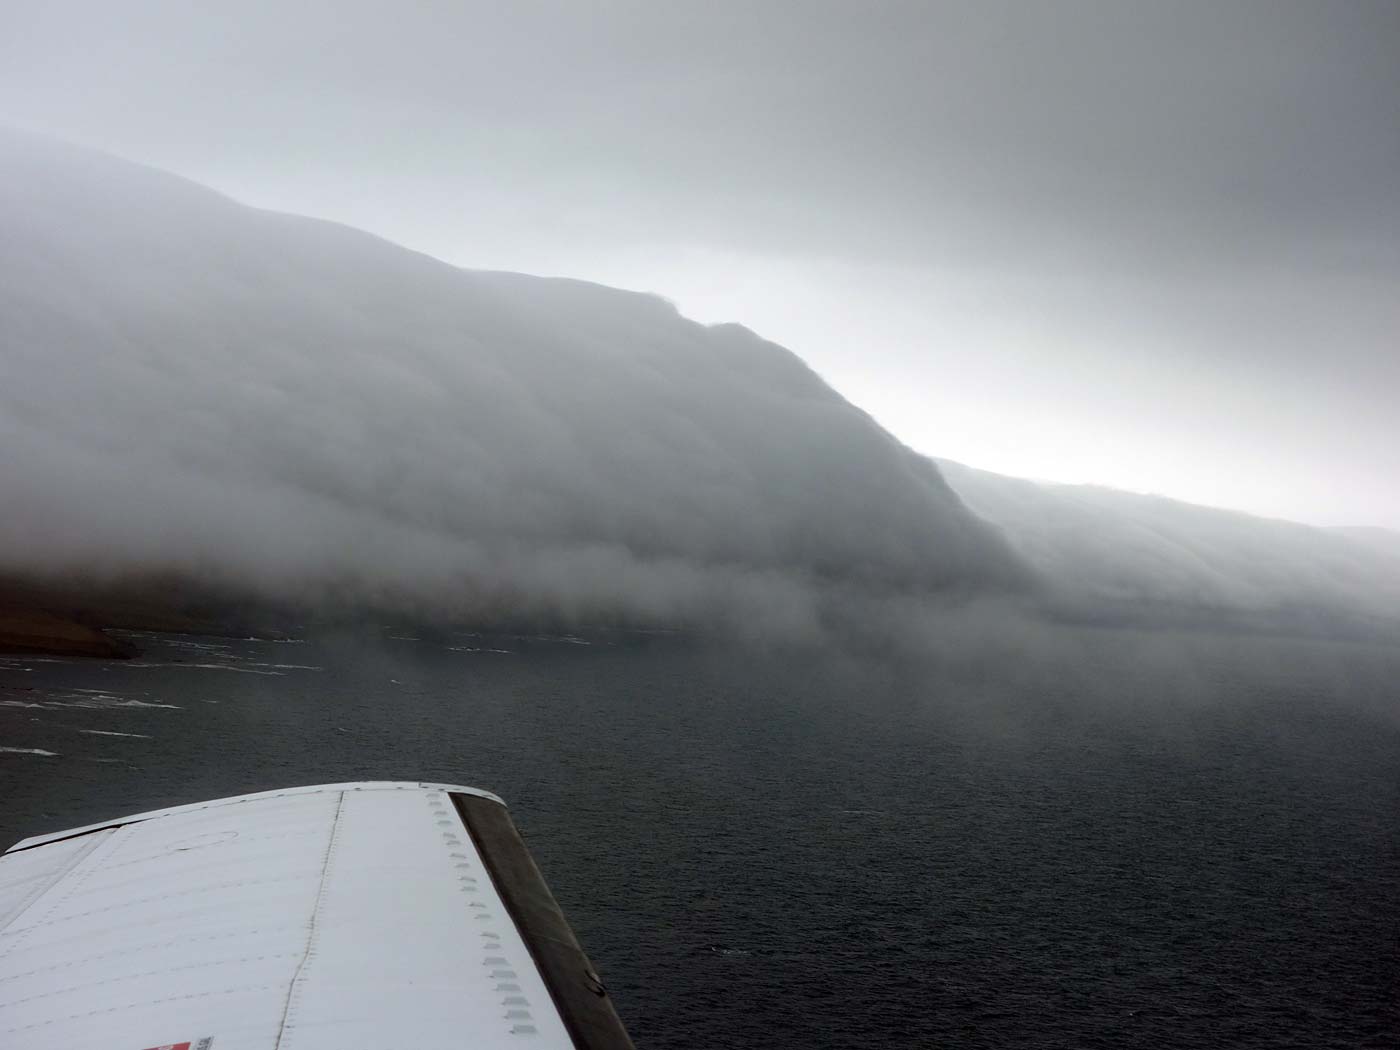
[
  {"x": 302, "y": 410},
  {"x": 1112, "y": 555}
]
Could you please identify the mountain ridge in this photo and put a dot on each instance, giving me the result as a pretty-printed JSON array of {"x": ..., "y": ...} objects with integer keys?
[
  {"x": 263, "y": 415},
  {"x": 308, "y": 412},
  {"x": 1106, "y": 553}
]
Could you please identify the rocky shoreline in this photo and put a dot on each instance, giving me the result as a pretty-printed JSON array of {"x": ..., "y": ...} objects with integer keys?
[{"x": 30, "y": 630}]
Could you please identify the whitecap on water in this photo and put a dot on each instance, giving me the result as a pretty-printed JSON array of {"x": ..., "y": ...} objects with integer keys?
[
  {"x": 98, "y": 702},
  {"x": 206, "y": 667}
]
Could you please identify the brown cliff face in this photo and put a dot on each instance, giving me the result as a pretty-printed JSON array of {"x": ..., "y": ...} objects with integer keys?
[{"x": 30, "y": 630}]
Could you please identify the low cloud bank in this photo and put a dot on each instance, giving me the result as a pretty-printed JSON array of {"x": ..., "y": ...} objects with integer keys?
[
  {"x": 1107, "y": 554},
  {"x": 299, "y": 411},
  {"x": 272, "y": 408}
]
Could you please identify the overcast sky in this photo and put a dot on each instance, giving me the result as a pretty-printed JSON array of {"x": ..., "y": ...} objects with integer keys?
[{"x": 1151, "y": 246}]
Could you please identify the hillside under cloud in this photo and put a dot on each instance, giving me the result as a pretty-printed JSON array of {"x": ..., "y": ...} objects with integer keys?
[
  {"x": 1109, "y": 555},
  {"x": 207, "y": 397},
  {"x": 292, "y": 409}
]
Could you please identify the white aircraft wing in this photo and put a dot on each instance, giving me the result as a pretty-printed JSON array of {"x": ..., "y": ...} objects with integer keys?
[{"x": 370, "y": 916}]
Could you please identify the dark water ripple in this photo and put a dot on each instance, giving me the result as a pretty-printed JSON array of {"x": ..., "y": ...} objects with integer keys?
[{"x": 1197, "y": 849}]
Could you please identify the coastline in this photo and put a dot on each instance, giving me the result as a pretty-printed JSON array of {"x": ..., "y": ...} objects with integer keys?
[{"x": 34, "y": 630}]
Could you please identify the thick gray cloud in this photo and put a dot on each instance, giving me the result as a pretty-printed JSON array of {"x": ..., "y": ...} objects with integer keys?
[
  {"x": 1152, "y": 245},
  {"x": 299, "y": 410},
  {"x": 1109, "y": 555},
  {"x": 294, "y": 409}
]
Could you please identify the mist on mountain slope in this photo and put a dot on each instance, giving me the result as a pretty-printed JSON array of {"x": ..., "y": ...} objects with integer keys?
[
  {"x": 1107, "y": 554},
  {"x": 298, "y": 410},
  {"x": 1385, "y": 542},
  {"x": 288, "y": 409}
]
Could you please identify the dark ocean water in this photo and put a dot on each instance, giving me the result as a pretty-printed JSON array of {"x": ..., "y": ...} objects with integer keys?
[{"x": 1124, "y": 841}]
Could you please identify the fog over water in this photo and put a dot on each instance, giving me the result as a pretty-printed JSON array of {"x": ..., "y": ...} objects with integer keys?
[
  {"x": 292, "y": 409},
  {"x": 300, "y": 408}
]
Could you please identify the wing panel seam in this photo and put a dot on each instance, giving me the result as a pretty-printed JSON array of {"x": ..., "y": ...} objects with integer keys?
[{"x": 288, "y": 1022}]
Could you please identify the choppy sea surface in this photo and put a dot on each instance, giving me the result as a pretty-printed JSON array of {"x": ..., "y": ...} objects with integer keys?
[{"x": 1105, "y": 839}]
